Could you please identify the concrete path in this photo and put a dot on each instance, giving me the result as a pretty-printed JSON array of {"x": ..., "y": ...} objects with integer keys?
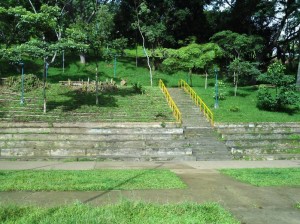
[{"x": 249, "y": 204}]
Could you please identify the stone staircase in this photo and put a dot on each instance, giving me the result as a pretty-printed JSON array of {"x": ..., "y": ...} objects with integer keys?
[
  {"x": 262, "y": 141},
  {"x": 113, "y": 141},
  {"x": 200, "y": 136},
  {"x": 195, "y": 140},
  {"x": 156, "y": 141}
]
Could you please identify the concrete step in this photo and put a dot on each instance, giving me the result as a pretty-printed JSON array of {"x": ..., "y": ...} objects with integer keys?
[
  {"x": 169, "y": 143},
  {"x": 89, "y": 137},
  {"x": 261, "y": 136},
  {"x": 81, "y": 152},
  {"x": 272, "y": 157},
  {"x": 261, "y": 143},
  {"x": 91, "y": 131},
  {"x": 259, "y": 128}
]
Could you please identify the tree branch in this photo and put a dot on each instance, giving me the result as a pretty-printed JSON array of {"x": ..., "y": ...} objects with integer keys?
[{"x": 32, "y": 7}]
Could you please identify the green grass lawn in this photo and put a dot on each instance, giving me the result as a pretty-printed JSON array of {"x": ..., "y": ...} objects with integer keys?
[
  {"x": 245, "y": 101},
  {"x": 266, "y": 177},
  {"x": 67, "y": 104},
  {"x": 91, "y": 180},
  {"x": 124, "y": 212}
]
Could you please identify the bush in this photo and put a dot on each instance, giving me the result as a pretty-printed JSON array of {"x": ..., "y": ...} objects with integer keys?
[
  {"x": 234, "y": 109},
  {"x": 284, "y": 97},
  {"x": 285, "y": 92},
  {"x": 30, "y": 82},
  {"x": 137, "y": 88},
  {"x": 222, "y": 92},
  {"x": 265, "y": 100}
]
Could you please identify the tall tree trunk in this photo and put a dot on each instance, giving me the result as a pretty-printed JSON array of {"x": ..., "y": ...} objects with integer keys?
[
  {"x": 190, "y": 76},
  {"x": 82, "y": 58},
  {"x": 236, "y": 83},
  {"x": 145, "y": 51},
  {"x": 97, "y": 85},
  {"x": 136, "y": 55},
  {"x": 44, "y": 85},
  {"x": 298, "y": 77},
  {"x": 206, "y": 76}
]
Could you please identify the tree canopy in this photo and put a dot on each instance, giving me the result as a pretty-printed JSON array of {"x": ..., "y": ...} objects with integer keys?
[{"x": 254, "y": 31}]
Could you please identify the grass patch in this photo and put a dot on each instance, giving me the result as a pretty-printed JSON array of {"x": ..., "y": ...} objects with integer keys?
[
  {"x": 298, "y": 205},
  {"x": 124, "y": 212},
  {"x": 266, "y": 177},
  {"x": 91, "y": 180},
  {"x": 245, "y": 107},
  {"x": 67, "y": 104}
]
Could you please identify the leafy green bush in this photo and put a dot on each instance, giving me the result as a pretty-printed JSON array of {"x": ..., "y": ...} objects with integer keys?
[
  {"x": 285, "y": 92},
  {"x": 222, "y": 92},
  {"x": 234, "y": 109},
  {"x": 138, "y": 88},
  {"x": 30, "y": 82},
  {"x": 265, "y": 100}
]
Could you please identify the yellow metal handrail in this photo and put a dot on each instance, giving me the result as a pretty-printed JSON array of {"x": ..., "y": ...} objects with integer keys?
[
  {"x": 171, "y": 102},
  {"x": 198, "y": 101}
]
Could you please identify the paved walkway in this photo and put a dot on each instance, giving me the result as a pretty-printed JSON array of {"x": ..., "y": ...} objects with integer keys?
[{"x": 274, "y": 205}]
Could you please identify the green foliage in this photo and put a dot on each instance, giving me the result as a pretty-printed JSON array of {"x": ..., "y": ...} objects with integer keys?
[
  {"x": 92, "y": 180},
  {"x": 222, "y": 90},
  {"x": 246, "y": 100},
  {"x": 123, "y": 212},
  {"x": 193, "y": 56},
  {"x": 284, "y": 95},
  {"x": 245, "y": 71},
  {"x": 264, "y": 177},
  {"x": 31, "y": 82},
  {"x": 138, "y": 88},
  {"x": 234, "y": 109},
  {"x": 237, "y": 45}
]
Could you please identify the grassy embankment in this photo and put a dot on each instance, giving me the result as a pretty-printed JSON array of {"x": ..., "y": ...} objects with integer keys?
[{"x": 61, "y": 100}]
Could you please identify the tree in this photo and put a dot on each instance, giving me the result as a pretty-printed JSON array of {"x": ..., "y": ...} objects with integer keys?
[
  {"x": 236, "y": 45},
  {"x": 298, "y": 77},
  {"x": 244, "y": 70},
  {"x": 143, "y": 8},
  {"x": 210, "y": 53},
  {"x": 284, "y": 89},
  {"x": 37, "y": 44},
  {"x": 241, "y": 52},
  {"x": 98, "y": 36},
  {"x": 277, "y": 21},
  {"x": 191, "y": 57}
]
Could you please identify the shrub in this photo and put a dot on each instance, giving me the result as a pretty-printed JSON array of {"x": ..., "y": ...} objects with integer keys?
[
  {"x": 285, "y": 92},
  {"x": 137, "y": 88},
  {"x": 222, "y": 93},
  {"x": 30, "y": 82},
  {"x": 234, "y": 109}
]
